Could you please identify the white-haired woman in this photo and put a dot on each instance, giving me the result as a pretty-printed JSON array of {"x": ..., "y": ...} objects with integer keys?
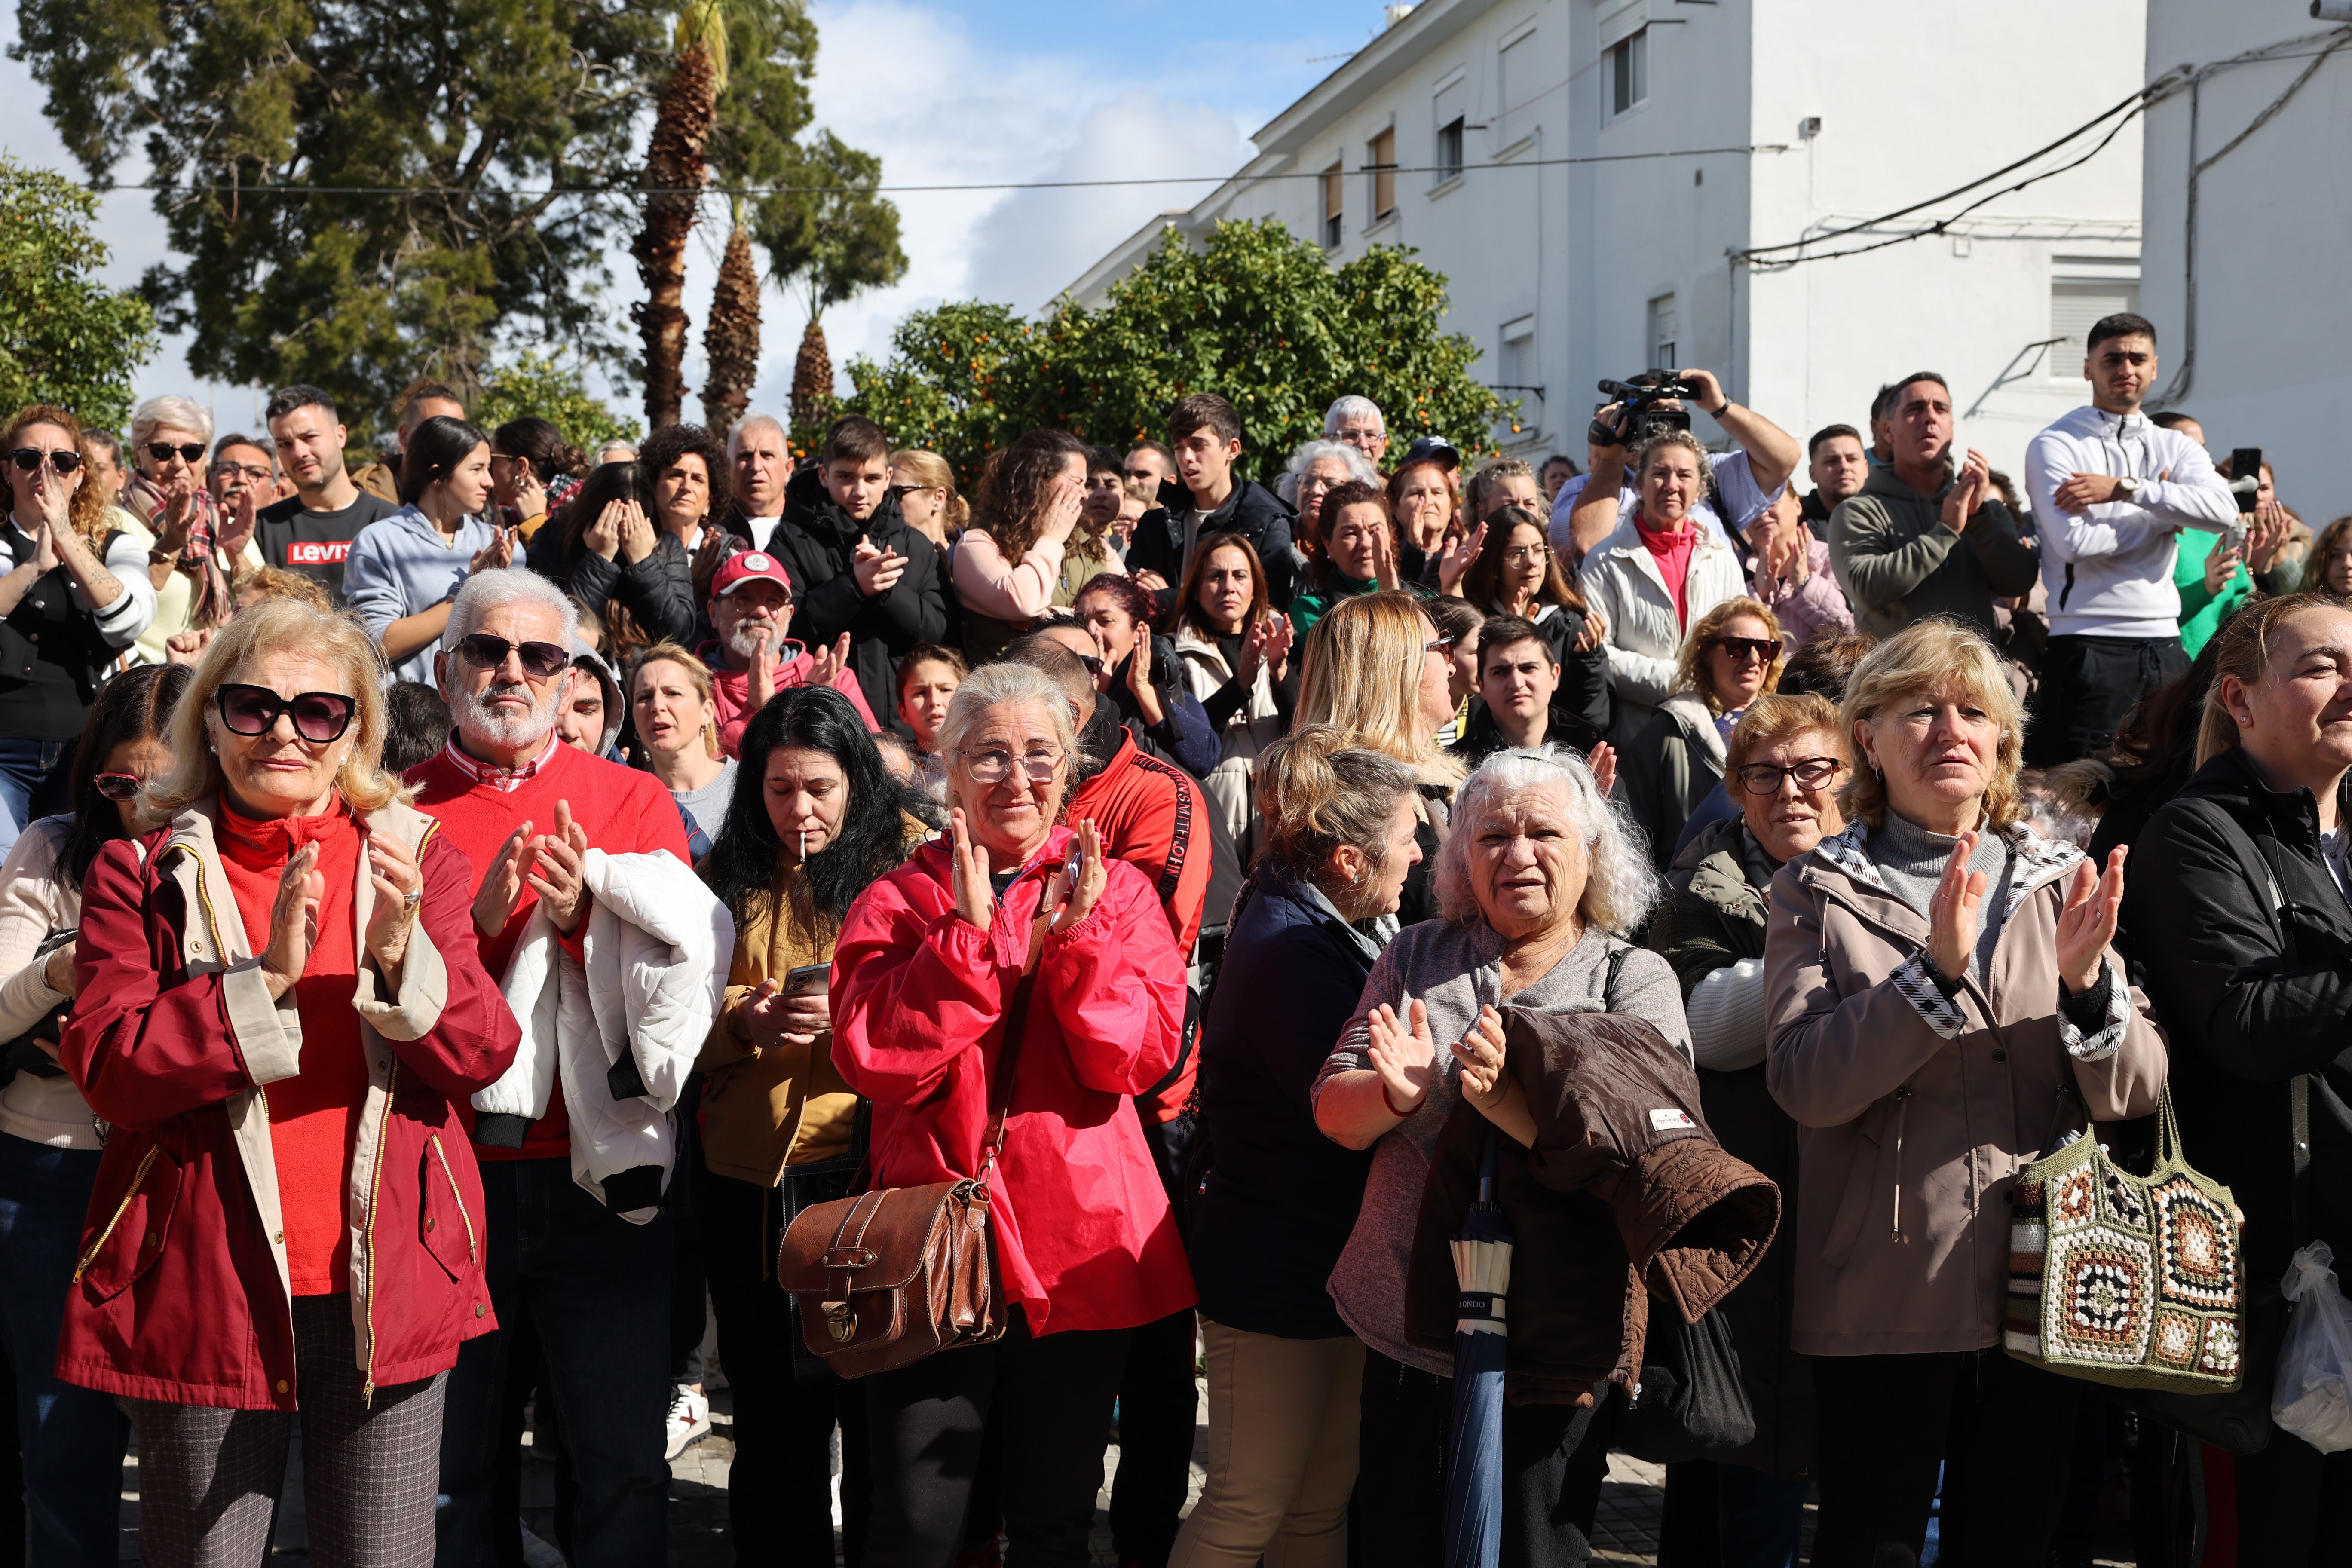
[
  {"x": 279, "y": 1008},
  {"x": 1942, "y": 996},
  {"x": 926, "y": 973},
  {"x": 1536, "y": 882},
  {"x": 194, "y": 546},
  {"x": 1314, "y": 472}
]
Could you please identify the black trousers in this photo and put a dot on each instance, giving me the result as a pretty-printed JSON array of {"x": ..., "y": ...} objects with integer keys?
[
  {"x": 1159, "y": 1407},
  {"x": 1555, "y": 1457},
  {"x": 2089, "y": 686},
  {"x": 1051, "y": 1397},
  {"x": 2003, "y": 1432},
  {"x": 779, "y": 1487},
  {"x": 2294, "y": 1506}
]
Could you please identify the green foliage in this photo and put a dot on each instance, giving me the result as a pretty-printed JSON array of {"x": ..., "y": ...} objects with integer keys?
[
  {"x": 833, "y": 241},
  {"x": 65, "y": 338},
  {"x": 536, "y": 384},
  {"x": 1257, "y": 315}
]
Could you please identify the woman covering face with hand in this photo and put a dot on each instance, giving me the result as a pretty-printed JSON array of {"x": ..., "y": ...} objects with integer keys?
[{"x": 620, "y": 541}]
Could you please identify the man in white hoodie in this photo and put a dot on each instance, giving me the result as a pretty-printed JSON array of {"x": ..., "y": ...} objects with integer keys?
[{"x": 2111, "y": 490}]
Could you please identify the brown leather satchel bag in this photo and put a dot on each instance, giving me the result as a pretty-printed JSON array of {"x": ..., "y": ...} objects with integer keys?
[{"x": 890, "y": 1277}]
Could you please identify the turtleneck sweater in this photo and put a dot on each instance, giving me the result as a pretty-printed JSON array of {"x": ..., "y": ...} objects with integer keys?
[{"x": 1911, "y": 859}]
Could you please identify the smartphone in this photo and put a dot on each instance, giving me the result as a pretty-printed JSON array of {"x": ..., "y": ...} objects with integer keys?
[
  {"x": 2245, "y": 463},
  {"x": 807, "y": 978}
]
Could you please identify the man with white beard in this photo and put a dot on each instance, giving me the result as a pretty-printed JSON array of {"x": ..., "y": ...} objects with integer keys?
[
  {"x": 526, "y": 809},
  {"x": 751, "y": 659}
]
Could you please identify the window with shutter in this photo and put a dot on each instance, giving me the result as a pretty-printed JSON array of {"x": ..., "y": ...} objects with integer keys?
[
  {"x": 1381, "y": 157},
  {"x": 1335, "y": 205}
]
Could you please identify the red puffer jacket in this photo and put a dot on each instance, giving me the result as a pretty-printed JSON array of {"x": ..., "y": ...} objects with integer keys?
[
  {"x": 182, "y": 1291},
  {"x": 1084, "y": 1231}
]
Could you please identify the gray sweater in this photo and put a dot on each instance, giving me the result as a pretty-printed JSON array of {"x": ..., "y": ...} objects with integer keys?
[
  {"x": 1911, "y": 859},
  {"x": 1453, "y": 969}
]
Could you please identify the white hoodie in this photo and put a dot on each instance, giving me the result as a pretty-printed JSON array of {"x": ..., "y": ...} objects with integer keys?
[{"x": 2109, "y": 570}]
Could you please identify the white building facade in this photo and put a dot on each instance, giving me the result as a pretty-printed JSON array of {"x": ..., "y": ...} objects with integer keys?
[
  {"x": 1589, "y": 174},
  {"x": 2265, "y": 358}
]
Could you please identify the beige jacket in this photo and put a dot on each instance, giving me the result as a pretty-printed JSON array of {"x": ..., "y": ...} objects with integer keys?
[{"x": 1914, "y": 1113}]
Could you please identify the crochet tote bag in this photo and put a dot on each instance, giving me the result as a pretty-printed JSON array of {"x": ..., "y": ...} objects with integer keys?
[{"x": 2135, "y": 1281}]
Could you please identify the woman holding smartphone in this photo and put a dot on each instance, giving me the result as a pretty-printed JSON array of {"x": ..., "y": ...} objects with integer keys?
[{"x": 815, "y": 819}]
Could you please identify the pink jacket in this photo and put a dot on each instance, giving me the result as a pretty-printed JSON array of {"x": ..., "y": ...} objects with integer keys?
[
  {"x": 729, "y": 684},
  {"x": 1806, "y": 607}
]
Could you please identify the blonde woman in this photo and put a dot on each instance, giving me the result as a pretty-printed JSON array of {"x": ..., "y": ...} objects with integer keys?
[
  {"x": 1732, "y": 656},
  {"x": 280, "y": 1010},
  {"x": 675, "y": 710},
  {"x": 926, "y": 490},
  {"x": 194, "y": 544}
]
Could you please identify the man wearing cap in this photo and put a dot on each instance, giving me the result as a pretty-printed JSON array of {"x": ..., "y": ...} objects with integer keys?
[{"x": 751, "y": 659}]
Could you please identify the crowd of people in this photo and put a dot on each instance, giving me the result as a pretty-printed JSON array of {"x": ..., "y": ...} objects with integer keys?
[{"x": 462, "y": 910}]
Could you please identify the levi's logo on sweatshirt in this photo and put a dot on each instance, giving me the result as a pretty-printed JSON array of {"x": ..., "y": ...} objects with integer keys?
[{"x": 310, "y": 553}]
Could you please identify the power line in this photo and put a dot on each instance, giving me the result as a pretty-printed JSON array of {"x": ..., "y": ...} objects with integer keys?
[{"x": 231, "y": 187}]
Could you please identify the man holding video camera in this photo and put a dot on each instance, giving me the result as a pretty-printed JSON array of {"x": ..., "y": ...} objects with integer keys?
[
  {"x": 1746, "y": 482},
  {"x": 2111, "y": 490}
]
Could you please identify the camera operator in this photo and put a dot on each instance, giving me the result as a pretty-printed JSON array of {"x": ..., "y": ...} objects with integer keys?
[{"x": 1589, "y": 508}]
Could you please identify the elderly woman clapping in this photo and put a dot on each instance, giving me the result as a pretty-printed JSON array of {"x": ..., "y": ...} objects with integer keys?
[
  {"x": 1940, "y": 990},
  {"x": 1536, "y": 879},
  {"x": 280, "y": 1009}
]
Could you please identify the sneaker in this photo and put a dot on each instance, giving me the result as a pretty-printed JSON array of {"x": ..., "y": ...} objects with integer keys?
[{"x": 690, "y": 1420}]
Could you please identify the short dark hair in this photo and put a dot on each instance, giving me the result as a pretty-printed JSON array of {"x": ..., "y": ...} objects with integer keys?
[
  {"x": 2121, "y": 324},
  {"x": 1502, "y": 631},
  {"x": 286, "y": 399},
  {"x": 665, "y": 447},
  {"x": 1157, "y": 448},
  {"x": 1831, "y": 432},
  {"x": 1894, "y": 393},
  {"x": 858, "y": 439},
  {"x": 1353, "y": 492},
  {"x": 1878, "y": 404},
  {"x": 1204, "y": 411},
  {"x": 1824, "y": 664},
  {"x": 424, "y": 387},
  {"x": 1573, "y": 467},
  {"x": 233, "y": 439},
  {"x": 1103, "y": 460},
  {"x": 434, "y": 450},
  {"x": 1455, "y": 619},
  {"x": 2173, "y": 420},
  {"x": 415, "y": 724}
]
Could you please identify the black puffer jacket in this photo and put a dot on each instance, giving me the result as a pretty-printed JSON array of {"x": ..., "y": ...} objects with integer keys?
[
  {"x": 2250, "y": 994},
  {"x": 817, "y": 542},
  {"x": 658, "y": 591},
  {"x": 1254, "y": 511}
]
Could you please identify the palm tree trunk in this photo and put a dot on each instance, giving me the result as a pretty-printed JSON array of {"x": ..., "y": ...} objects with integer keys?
[
  {"x": 812, "y": 387},
  {"x": 675, "y": 170},
  {"x": 730, "y": 336}
]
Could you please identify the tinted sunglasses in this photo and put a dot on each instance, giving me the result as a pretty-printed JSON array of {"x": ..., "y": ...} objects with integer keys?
[
  {"x": 29, "y": 461},
  {"x": 1764, "y": 649},
  {"x": 193, "y": 452},
  {"x": 318, "y": 716},
  {"x": 117, "y": 786},
  {"x": 540, "y": 659}
]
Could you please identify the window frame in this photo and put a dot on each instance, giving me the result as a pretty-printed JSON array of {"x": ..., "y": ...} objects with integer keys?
[
  {"x": 1628, "y": 60},
  {"x": 1379, "y": 170}
]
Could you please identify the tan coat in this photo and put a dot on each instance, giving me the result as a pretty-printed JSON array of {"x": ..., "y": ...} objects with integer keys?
[{"x": 1914, "y": 1115}]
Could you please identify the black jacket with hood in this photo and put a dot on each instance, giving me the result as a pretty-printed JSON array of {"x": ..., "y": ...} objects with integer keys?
[{"x": 1254, "y": 511}]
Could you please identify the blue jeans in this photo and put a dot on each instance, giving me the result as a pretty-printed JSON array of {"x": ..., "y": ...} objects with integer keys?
[
  {"x": 597, "y": 1289},
  {"x": 72, "y": 1438},
  {"x": 24, "y": 764},
  {"x": 1760, "y": 1516}
]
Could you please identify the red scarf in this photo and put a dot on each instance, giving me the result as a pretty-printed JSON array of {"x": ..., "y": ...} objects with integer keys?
[{"x": 1672, "y": 551}]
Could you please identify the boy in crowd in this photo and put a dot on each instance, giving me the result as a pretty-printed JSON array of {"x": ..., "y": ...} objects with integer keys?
[
  {"x": 311, "y": 531},
  {"x": 1206, "y": 497}
]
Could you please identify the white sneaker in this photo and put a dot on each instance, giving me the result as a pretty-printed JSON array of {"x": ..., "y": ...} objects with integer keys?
[{"x": 690, "y": 1420}]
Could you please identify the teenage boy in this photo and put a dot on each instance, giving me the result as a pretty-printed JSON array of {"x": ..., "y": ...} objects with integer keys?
[
  {"x": 1206, "y": 498},
  {"x": 2112, "y": 490},
  {"x": 855, "y": 565},
  {"x": 311, "y": 530},
  {"x": 1106, "y": 497},
  {"x": 1519, "y": 690}
]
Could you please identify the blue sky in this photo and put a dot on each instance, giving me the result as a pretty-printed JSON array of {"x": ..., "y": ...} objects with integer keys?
[{"x": 945, "y": 91}]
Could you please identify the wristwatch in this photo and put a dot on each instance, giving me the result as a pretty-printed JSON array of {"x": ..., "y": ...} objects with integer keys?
[{"x": 2127, "y": 488}]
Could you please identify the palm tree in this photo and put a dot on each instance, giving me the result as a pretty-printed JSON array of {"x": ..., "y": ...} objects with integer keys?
[
  {"x": 834, "y": 236},
  {"x": 675, "y": 171},
  {"x": 730, "y": 334}
]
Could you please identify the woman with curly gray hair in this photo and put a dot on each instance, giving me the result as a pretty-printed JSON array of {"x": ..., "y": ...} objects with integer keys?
[{"x": 1536, "y": 883}]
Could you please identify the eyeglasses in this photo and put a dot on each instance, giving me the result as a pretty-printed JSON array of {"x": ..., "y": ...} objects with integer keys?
[
  {"x": 193, "y": 452},
  {"x": 994, "y": 764},
  {"x": 1764, "y": 649},
  {"x": 540, "y": 659},
  {"x": 1442, "y": 645},
  {"x": 1764, "y": 778},
  {"x": 254, "y": 472},
  {"x": 318, "y": 716},
  {"x": 1519, "y": 554},
  {"x": 29, "y": 461},
  {"x": 1092, "y": 661},
  {"x": 120, "y": 786}
]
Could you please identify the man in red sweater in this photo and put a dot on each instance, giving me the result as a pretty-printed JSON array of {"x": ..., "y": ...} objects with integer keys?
[
  {"x": 751, "y": 659},
  {"x": 526, "y": 809}
]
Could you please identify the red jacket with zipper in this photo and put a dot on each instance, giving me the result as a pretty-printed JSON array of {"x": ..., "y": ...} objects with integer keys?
[
  {"x": 1084, "y": 1231},
  {"x": 181, "y": 1294}
]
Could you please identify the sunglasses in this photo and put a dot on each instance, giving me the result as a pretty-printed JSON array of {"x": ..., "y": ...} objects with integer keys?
[
  {"x": 28, "y": 461},
  {"x": 1092, "y": 661},
  {"x": 1764, "y": 649},
  {"x": 117, "y": 786},
  {"x": 193, "y": 452},
  {"x": 318, "y": 716},
  {"x": 540, "y": 659},
  {"x": 903, "y": 491}
]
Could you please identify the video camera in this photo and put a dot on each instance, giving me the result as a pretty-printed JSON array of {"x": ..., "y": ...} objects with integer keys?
[{"x": 1640, "y": 418}]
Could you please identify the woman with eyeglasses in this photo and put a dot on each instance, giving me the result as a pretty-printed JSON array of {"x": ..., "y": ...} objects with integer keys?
[
  {"x": 1785, "y": 761},
  {"x": 1015, "y": 918},
  {"x": 73, "y": 1438},
  {"x": 404, "y": 571},
  {"x": 196, "y": 545},
  {"x": 75, "y": 596},
  {"x": 280, "y": 1010},
  {"x": 1732, "y": 656}
]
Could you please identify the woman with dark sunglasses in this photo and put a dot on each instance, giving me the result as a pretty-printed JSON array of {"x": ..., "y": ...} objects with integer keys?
[
  {"x": 74, "y": 1438},
  {"x": 280, "y": 1010},
  {"x": 75, "y": 594},
  {"x": 1732, "y": 656},
  {"x": 195, "y": 542}
]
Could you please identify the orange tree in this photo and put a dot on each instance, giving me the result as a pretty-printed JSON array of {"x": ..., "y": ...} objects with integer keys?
[{"x": 1257, "y": 314}]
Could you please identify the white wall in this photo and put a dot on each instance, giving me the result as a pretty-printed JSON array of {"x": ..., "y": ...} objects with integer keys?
[{"x": 2274, "y": 328}]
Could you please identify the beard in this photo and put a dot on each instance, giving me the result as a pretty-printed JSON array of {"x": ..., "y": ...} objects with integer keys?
[
  {"x": 476, "y": 717},
  {"x": 743, "y": 642}
]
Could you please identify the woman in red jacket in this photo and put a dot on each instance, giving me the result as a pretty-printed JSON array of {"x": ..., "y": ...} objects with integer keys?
[
  {"x": 278, "y": 1006},
  {"x": 925, "y": 969}
]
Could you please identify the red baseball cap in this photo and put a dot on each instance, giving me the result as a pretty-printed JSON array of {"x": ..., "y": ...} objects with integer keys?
[{"x": 747, "y": 566}]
